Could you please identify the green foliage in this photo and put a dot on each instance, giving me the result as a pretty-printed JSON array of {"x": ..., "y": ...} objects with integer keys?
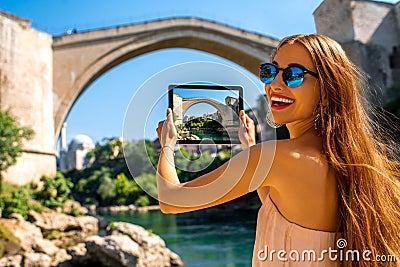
[
  {"x": 224, "y": 154},
  {"x": 148, "y": 182},
  {"x": 51, "y": 193},
  {"x": 106, "y": 190},
  {"x": 75, "y": 212},
  {"x": 111, "y": 149},
  {"x": 36, "y": 206},
  {"x": 200, "y": 163},
  {"x": 86, "y": 187},
  {"x": 18, "y": 202},
  {"x": 53, "y": 234},
  {"x": 127, "y": 190},
  {"x": 142, "y": 158},
  {"x": 11, "y": 141},
  {"x": 54, "y": 192},
  {"x": 143, "y": 200}
]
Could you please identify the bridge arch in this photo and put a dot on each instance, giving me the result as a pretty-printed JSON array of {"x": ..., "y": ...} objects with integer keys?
[
  {"x": 79, "y": 59},
  {"x": 221, "y": 108}
]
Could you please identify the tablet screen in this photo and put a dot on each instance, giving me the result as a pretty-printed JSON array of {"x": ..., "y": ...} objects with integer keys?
[{"x": 205, "y": 114}]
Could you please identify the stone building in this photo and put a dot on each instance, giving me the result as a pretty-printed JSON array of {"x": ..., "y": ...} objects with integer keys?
[
  {"x": 369, "y": 32},
  {"x": 75, "y": 156}
]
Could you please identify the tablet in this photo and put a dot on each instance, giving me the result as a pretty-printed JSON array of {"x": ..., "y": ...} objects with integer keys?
[{"x": 206, "y": 113}]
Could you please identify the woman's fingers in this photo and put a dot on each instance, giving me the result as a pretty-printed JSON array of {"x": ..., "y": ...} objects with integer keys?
[
  {"x": 249, "y": 121},
  {"x": 166, "y": 130},
  {"x": 170, "y": 118},
  {"x": 246, "y": 121},
  {"x": 242, "y": 117}
]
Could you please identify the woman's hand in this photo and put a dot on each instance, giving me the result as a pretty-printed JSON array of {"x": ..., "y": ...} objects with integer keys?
[
  {"x": 247, "y": 132},
  {"x": 166, "y": 131}
]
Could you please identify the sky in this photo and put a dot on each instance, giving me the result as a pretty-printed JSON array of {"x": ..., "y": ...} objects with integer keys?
[{"x": 100, "y": 111}]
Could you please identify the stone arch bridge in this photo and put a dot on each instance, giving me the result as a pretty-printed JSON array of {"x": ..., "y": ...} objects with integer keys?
[
  {"x": 58, "y": 69},
  {"x": 79, "y": 59},
  {"x": 227, "y": 112}
]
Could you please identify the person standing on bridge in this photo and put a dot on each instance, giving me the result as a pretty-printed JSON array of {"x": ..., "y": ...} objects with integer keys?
[{"x": 333, "y": 185}]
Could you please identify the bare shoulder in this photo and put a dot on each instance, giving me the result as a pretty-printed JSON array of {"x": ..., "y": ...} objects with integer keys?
[
  {"x": 295, "y": 159},
  {"x": 303, "y": 186}
]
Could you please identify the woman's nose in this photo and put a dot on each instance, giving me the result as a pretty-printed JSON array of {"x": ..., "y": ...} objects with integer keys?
[{"x": 277, "y": 83}]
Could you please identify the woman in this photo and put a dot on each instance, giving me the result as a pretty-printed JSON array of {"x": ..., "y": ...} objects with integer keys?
[{"x": 332, "y": 179}]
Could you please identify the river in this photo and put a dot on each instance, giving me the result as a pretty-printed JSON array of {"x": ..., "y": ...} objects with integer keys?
[{"x": 206, "y": 238}]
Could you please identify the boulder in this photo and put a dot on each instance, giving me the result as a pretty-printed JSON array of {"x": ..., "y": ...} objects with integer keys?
[
  {"x": 48, "y": 221},
  {"x": 71, "y": 207},
  {"x": 125, "y": 245},
  {"x": 153, "y": 251},
  {"x": 45, "y": 246},
  {"x": 28, "y": 259},
  {"x": 64, "y": 230},
  {"x": 28, "y": 235},
  {"x": 61, "y": 258},
  {"x": 11, "y": 261},
  {"x": 33, "y": 249},
  {"x": 112, "y": 251},
  {"x": 79, "y": 255},
  {"x": 36, "y": 260}
]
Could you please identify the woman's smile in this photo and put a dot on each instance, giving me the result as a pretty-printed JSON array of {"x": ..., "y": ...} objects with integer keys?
[{"x": 279, "y": 102}]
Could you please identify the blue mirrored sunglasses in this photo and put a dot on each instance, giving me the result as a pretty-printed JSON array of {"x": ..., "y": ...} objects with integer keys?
[{"x": 293, "y": 76}]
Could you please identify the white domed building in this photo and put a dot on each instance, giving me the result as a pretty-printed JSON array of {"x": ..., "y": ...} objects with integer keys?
[{"x": 75, "y": 156}]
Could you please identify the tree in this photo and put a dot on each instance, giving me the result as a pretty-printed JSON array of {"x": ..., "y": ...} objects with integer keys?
[
  {"x": 111, "y": 149},
  {"x": 11, "y": 141},
  {"x": 127, "y": 190},
  {"x": 106, "y": 190},
  {"x": 141, "y": 158}
]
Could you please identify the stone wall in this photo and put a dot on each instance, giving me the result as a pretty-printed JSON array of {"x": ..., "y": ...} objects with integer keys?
[
  {"x": 368, "y": 31},
  {"x": 26, "y": 90},
  {"x": 334, "y": 19}
]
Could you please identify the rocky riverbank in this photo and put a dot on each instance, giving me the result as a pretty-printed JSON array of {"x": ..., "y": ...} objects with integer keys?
[{"x": 55, "y": 239}]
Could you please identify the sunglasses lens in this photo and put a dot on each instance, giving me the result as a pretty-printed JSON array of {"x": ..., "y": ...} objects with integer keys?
[
  {"x": 293, "y": 76},
  {"x": 267, "y": 73}
]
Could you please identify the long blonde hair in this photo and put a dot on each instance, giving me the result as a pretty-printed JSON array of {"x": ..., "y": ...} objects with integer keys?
[{"x": 367, "y": 169}]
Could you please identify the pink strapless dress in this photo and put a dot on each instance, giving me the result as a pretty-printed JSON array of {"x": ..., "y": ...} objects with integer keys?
[{"x": 275, "y": 232}]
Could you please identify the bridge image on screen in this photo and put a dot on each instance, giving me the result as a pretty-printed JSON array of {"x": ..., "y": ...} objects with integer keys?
[{"x": 203, "y": 114}]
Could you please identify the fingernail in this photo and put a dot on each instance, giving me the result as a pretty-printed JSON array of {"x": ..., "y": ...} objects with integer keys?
[
  {"x": 241, "y": 112},
  {"x": 169, "y": 110}
]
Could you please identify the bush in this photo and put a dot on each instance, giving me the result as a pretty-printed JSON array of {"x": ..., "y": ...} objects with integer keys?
[
  {"x": 11, "y": 141},
  {"x": 17, "y": 203},
  {"x": 55, "y": 191},
  {"x": 143, "y": 200}
]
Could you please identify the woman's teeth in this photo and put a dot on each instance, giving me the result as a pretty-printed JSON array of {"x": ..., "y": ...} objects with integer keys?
[{"x": 282, "y": 100}]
